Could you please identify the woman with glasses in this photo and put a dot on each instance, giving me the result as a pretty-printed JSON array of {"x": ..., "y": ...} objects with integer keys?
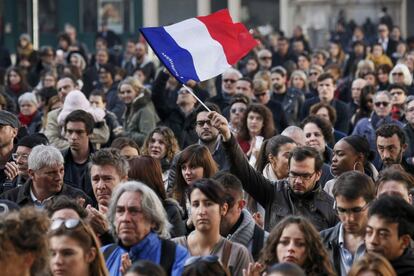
[
  {"x": 194, "y": 162},
  {"x": 295, "y": 240},
  {"x": 399, "y": 94},
  {"x": 23, "y": 243},
  {"x": 208, "y": 205},
  {"x": 238, "y": 107},
  {"x": 162, "y": 145},
  {"x": 74, "y": 249}
]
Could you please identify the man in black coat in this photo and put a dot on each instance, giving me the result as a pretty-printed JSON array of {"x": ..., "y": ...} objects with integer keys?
[
  {"x": 326, "y": 92},
  {"x": 46, "y": 180}
]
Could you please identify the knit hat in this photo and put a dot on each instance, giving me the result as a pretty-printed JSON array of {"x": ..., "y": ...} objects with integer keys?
[
  {"x": 77, "y": 100},
  {"x": 9, "y": 119}
]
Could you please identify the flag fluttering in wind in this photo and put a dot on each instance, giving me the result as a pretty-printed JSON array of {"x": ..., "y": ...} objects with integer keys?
[{"x": 200, "y": 48}]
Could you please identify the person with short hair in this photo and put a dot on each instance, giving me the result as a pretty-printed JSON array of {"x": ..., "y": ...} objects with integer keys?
[
  {"x": 29, "y": 116},
  {"x": 23, "y": 243},
  {"x": 326, "y": 91},
  {"x": 145, "y": 268},
  {"x": 139, "y": 223},
  {"x": 78, "y": 127},
  {"x": 395, "y": 181},
  {"x": 372, "y": 263},
  {"x": 204, "y": 266},
  {"x": 409, "y": 129},
  {"x": 229, "y": 79},
  {"x": 238, "y": 225},
  {"x": 353, "y": 192},
  {"x": 399, "y": 94},
  {"x": 46, "y": 170},
  {"x": 299, "y": 194},
  {"x": 9, "y": 125},
  {"x": 391, "y": 145},
  {"x": 208, "y": 205},
  {"x": 65, "y": 208},
  {"x": 389, "y": 231}
]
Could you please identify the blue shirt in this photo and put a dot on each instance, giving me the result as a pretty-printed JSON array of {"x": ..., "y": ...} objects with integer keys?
[
  {"x": 148, "y": 249},
  {"x": 347, "y": 259}
]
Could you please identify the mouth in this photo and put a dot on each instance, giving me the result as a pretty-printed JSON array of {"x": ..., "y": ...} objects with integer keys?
[{"x": 290, "y": 259}]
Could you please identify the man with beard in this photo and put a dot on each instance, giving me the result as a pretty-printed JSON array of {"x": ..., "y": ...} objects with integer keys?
[
  {"x": 46, "y": 170},
  {"x": 353, "y": 191},
  {"x": 144, "y": 62},
  {"x": 299, "y": 194},
  {"x": 9, "y": 125},
  {"x": 391, "y": 146},
  {"x": 290, "y": 98},
  {"x": 389, "y": 230}
]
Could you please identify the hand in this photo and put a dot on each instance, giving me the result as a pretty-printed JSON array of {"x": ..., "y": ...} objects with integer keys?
[
  {"x": 253, "y": 269},
  {"x": 125, "y": 263},
  {"x": 258, "y": 219},
  {"x": 11, "y": 170},
  {"x": 220, "y": 122},
  {"x": 97, "y": 220}
]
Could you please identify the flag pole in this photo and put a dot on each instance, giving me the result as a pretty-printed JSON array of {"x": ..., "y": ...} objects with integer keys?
[{"x": 198, "y": 99}]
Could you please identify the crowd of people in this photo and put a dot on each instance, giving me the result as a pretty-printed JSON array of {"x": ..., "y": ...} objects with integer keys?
[{"x": 303, "y": 164}]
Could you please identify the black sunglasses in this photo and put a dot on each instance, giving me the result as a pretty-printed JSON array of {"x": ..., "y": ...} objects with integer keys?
[{"x": 378, "y": 104}]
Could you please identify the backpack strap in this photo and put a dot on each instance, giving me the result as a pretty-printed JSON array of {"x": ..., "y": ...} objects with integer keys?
[
  {"x": 226, "y": 253},
  {"x": 108, "y": 251},
  {"x": 258, "y": 241},
  {"x": 168, "y": 249}
]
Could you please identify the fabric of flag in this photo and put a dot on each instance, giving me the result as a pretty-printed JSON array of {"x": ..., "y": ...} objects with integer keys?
[{"x": 200, "y": 48}]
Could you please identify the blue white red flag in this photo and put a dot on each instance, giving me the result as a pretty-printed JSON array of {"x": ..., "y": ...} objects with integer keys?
[{"x": 200, "y": 48}]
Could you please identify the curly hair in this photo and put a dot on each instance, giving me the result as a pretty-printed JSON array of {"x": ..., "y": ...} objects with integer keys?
[
  {"x": 324, "y": 125},
  {"x": 317, "y": 260},
  {"x": 169, "y": 139},
  {"x": 268, "y": 129},
  {"x": 15, "y": 235}
]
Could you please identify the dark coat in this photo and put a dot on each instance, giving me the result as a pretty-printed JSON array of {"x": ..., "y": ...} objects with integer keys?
[
  {"x": 404, "y": 265},
  {"x": 21, "y": 195},
  {"x": 277, "y": 198},
  {"x": 342, "y": 112},
  {"x": 330, "y": 241},
  {"x": 175, "y": 217}
]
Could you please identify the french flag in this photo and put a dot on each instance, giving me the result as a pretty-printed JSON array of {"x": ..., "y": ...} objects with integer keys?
[{"x": 200, "y": 48}]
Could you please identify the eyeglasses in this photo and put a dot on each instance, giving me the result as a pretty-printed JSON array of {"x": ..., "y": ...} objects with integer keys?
[
  {"x": 201, "y": 123},
  {"x": 303, "y": 176},
  {"x": 313, "y": 73},
  {"x": 382, "y": 30},
  {"x": 195, "y": 259},
  {"x": 16, "y": 156},
  {"x": 398, "y": 74},
  {"x": 354, "y": 210},
  {"x": 235, "y": 110},
  {"x": 265, "y": 58},
  {"x": 378, "y": 104},
  {"x": 229, "y": 80},
  {"x": 68, "y": 223}
]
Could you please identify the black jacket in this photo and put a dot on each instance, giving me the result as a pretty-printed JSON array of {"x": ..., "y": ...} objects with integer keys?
[
  {"x": 21, "y": 195},
  {"x": 277, "y": 198},
  {"x": 404, "y": 265},
  {"x": 330, "y": 241},
  {"x": 342, "y": 112}
]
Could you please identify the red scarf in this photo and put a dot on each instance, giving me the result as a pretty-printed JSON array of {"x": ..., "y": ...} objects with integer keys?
[
  {"x": 15, "y": 87},
  {"x": 25, "y": 120}
]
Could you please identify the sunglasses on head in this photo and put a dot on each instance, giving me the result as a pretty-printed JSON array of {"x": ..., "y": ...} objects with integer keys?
[
  {"x": 68, "y": 223},
  {"x": 378, "y": 104}
]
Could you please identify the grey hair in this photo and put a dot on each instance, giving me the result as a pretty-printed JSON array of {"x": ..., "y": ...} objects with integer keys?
[
  {"x": 232, "y": 71},
  {"x": 44, "y": 156},
  {"x": 385, "y": 92},
  {"x": 28, "y": 97},
  {"x": 408, "y": 78},
  {"x": 151, "y": 206}
]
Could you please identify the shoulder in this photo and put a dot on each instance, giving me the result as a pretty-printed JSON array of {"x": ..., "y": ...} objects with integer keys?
[{"x": 330, "y": 233}]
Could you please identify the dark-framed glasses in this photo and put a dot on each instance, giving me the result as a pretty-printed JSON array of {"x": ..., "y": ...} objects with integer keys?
[{"x": 303, "y": 176}]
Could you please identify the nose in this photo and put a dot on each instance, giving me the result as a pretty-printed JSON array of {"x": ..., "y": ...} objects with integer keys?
[
  {"x": 291, "y": 247},
  {"x": 372, "y": 239},
  {"x": 57, "y": 259}
]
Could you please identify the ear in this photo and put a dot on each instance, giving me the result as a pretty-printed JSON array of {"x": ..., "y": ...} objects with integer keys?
[
  {"x": 15, "y": 131},
  {"x": 404, "y": 147},
  {"x": 241, "y": 204},
  {"x": 318, "y": 175},
  {"x": 405, "y": 241},
  {"x": 91, "y": 255},
  {"x": 410, "y": 198},
  {"x": 270, "y": 158},
  {"x": 224, "y": 208},
  {"x": 31, "y": 173},
  {"x": 29, "y": 259}
]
